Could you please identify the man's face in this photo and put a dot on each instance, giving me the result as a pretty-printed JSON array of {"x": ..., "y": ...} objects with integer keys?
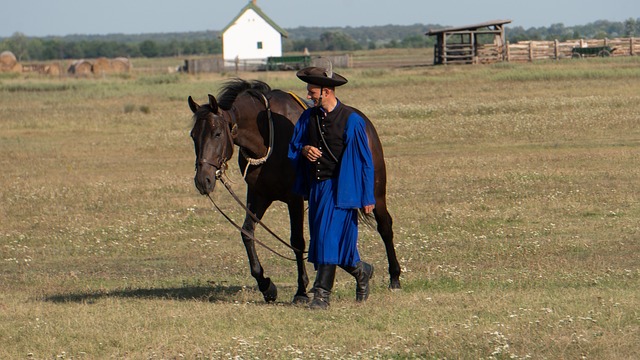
[{"x": 313, "y": 94}]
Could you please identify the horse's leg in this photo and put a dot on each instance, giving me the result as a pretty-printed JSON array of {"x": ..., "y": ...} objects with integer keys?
[
  {"x": 258, "y": 206},
  {"x": 296, "y": 218},
  {"x": 385, "y": 228}
]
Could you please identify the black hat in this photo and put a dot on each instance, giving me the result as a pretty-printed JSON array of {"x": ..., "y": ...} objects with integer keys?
[{"x": 320, "y": 77}]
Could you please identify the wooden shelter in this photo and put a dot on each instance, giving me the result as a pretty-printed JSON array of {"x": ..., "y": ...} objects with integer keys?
[{"x": 471, "y": 44}]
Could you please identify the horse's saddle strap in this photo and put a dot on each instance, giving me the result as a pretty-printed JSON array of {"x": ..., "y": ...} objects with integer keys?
[{"x": 299, "y": 100}]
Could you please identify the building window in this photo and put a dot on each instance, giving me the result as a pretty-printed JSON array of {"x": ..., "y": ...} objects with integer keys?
[{"x": 259, "y": 44}]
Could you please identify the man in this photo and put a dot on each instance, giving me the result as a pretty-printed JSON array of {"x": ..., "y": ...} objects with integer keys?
[{"x": 334, "y": 172}]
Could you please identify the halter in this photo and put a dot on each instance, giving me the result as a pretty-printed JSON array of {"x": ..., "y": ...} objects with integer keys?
[{"x": 220, "y": 165}]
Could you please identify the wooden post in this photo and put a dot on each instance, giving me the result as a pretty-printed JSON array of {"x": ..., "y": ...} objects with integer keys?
[
  {"x": 508, "y": 52},
  {"x": 555, "y": 49},
  {"x": 474, "y": 53},
  {"x": 444, "y": 48},
  {"x": 631, "y": 46},
  {"x": 503, "y": 36},
  {"x": 531, "y": 51}
]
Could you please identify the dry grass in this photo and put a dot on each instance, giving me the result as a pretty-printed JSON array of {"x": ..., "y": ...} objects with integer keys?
[{"x": 513, "y": 190}]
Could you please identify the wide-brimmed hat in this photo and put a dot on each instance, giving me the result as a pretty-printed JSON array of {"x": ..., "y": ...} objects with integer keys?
[{"x": 321, "y": 77}]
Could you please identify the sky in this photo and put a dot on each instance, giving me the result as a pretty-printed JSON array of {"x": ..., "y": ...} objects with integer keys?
[{"x": 39, "y": 18}]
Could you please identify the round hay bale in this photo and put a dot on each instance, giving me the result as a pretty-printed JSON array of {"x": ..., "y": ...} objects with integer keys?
[
  {"x": 121, "y": 65},
  {"x": 80, "y": 67},
  {"x": 7, "y": 60},
  {"x": 101, "y": 66},
  {"x": 16, "y": 68},
  {"x": 53, "y": 69}
]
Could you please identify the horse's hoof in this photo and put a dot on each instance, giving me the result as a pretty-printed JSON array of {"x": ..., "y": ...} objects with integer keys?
[
  {"x": 271, "y": 294},
  {"x": 300, "y": 300},
  {"x": 394, "y": 285}
]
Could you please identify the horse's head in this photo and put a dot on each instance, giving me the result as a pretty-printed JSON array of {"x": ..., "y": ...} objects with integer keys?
[{"x": 213, "y": 143}]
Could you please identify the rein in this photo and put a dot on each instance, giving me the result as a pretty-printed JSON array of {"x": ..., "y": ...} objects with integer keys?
[
  {"x": 254, "y": 217},
  {"x": 255, "y": 162}
]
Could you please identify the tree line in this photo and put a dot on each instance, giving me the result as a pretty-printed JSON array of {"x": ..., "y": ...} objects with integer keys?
[{"x": 314, "y": 39}]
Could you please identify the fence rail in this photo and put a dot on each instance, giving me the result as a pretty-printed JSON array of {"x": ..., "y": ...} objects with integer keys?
[{"x": 525, "y": 51}]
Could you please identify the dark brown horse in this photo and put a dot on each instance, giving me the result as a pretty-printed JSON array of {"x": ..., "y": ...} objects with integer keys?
[{"x": 261, "y": 121}]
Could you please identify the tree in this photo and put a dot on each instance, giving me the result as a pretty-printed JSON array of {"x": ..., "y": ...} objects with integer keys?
[
  {"x": 338, "y": 40},
  {"x": 601, "y": 35},
  {"x": 35, "y": 49},
  {"x": 18, "y": 43},
  {"x": 415, "y": 41},
  {"x": 173, "y": 48},
  {"x": 149, "y": 48},
  {"x": 630, "y": 26}
]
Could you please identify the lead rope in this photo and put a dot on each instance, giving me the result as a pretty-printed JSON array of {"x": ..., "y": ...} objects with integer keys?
[
  {"x": 254, "y": 218},
  {"x": 262, "y": 160},
  {"x": 246, "y": 233}
]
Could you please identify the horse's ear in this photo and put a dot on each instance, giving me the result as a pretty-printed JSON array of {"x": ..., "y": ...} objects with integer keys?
[
  {"x": 193, "y": 105},
  {"x": 213, "y": 103}
]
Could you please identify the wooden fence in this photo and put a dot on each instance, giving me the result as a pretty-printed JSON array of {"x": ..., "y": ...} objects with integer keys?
[
  {"x": 525, "y": 51},
  {"x": 217, "y": 64}
]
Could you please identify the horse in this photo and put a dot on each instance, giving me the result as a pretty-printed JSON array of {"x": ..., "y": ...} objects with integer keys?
[{"x": 260, "y": 121}]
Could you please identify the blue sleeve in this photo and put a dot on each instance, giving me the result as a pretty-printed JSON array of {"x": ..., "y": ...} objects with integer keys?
[
  {"x": 299, "y": 139},
  {"x": 356, "y": 179}
]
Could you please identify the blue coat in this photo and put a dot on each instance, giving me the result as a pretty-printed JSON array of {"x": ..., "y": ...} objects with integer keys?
[{"x": 333, "y": 203}]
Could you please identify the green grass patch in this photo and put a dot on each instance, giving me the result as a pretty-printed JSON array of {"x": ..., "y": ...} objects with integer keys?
[
  {"x": 513, "y": 189},
  {"x": 37, "y": 87}
]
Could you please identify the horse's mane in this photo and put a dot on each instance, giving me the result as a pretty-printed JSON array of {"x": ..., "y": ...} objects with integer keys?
[{"x": 234, "y": 87}]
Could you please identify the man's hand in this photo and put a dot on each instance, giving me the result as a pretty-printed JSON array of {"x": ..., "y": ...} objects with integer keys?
[
  {"x": 311, "y": 153},
  {"x": 368, "y": 209}
]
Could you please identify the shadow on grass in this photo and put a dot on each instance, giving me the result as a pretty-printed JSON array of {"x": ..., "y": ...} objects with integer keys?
[{"x": 198, "y": 293}]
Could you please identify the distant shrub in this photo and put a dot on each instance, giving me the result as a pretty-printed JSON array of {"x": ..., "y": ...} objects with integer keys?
[
  {"x": 37, "y": 87},
  {"x": 160, "y": 79}
]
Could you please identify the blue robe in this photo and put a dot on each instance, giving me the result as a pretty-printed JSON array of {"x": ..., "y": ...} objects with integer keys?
[{"x": 334, "y": 203}]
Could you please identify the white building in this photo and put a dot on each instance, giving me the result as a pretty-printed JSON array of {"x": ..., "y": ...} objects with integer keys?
[{"x": 251, "y": 36}]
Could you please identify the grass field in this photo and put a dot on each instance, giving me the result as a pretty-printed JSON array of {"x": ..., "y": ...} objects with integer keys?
[{"x": 514, "y": 191}]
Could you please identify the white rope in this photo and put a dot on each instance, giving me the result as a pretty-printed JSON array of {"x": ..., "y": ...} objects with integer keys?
[{"x": 262, "y": 160}]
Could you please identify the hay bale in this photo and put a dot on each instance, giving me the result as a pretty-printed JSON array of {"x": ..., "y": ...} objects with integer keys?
[
  {"x": 16, "y": 68},
  {"x": 101, "y": 66},
  {"x": 80, "y": 67},
  {"x": 53, "y": 69},
  {"x": 120, "y": 65},
  {"x": 7, "y": 61}
]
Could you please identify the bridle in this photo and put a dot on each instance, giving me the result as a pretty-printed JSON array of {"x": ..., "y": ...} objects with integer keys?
[
  {"x": 221, "y": 167},
  {"x": 221, "y": 164}
]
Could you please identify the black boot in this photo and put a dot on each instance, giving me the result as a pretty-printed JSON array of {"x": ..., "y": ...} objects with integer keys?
[
  {"x": 363, "y": 272},
  {"x": 322, "y": 286}
]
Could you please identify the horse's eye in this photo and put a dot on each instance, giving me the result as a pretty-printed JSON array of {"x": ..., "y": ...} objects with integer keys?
[{"x": 218, "y": 135}]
